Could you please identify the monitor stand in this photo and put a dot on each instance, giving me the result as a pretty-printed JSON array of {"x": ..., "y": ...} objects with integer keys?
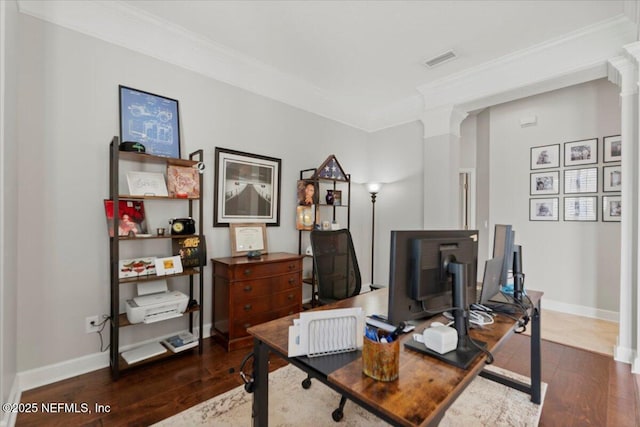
[
  {"x": 460, "y": 357},
  {"x": 465, "y": 351}
]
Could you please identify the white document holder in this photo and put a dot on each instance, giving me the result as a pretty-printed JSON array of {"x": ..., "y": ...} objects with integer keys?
[{"x": 319, "y": 333}]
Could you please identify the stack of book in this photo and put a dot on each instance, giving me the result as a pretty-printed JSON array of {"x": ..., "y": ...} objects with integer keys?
[{"x": 180, "y": 342}]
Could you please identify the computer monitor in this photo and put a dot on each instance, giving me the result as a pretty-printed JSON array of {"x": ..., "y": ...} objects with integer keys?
[
  {"x": 418, "y": 286},
  {"x": 434, "y": 271},
  {"x": 503, "y": 237},
  {"x": 490, "y": 280}
]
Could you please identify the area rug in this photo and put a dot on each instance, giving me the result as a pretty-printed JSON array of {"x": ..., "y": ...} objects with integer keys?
[{"x": 483, "y": 403}]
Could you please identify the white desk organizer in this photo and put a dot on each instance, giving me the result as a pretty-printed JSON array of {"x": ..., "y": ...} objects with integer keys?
[{"x": 319, "y": 333}]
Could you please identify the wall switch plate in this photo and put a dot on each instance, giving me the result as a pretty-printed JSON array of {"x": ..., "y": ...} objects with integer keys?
[{"x": 91, "y": 324}]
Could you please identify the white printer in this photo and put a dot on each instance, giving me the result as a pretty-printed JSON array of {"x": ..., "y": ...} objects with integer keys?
[{"x": 155, "y": 302}]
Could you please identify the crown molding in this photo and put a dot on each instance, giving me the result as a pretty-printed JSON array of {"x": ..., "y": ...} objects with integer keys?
[
  {"x": 564, "y": 61},
  {"x": 120, "y": 24}
]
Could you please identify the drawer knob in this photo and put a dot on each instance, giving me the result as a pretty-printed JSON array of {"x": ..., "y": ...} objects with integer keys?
[
  {"x": 247, "y": 307},
  {"x": 248, "y": 288},
  {"x": 290, "y": 297},
  {"x": 292, "y": 280},
  {"x": 292, "y": 266},
  {"x": 247, "y": 272}
]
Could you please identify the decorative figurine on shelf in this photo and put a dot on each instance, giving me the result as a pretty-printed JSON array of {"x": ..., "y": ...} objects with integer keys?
[{"x": 329, "y": 197}]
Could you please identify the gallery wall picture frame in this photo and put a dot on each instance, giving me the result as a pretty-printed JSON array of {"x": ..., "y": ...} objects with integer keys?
[
  {"x": 581, "y": 152},
  {"x": 611, "y": 208},
  {"x": 545, "y": 157},
  {"x": 545, "y": 183},
  {"x": 612, "y": 148},
  {"x": 247, "y": 188},
  {"x": 611, "y": 178},
  {"x": 581, "y": 180},
  {"x": 248, "y": 237},
  {"x": 543, "y": 209},
  {"x": 583, "y": 208},
  {"x": 150, "y": 119}
]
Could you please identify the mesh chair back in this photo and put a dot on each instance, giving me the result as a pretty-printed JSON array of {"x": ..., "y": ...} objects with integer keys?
[{"x": 335, "y": 264}]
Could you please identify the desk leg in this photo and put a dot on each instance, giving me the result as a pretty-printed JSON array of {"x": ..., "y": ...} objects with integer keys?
[
  {"x": 260, "y": 413},
  {"x": 536, "y": 358}
]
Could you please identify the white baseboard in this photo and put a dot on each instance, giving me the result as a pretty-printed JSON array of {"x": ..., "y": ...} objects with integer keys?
[
  {"x": 635, "y": 366},
  {"x": 579, "y": 310},
  {"x": 33, "y": 378},
  {"x": 9, "y": 418},
  {"x": 57, "y": 372},
  {"x": 623, "y": 354}
]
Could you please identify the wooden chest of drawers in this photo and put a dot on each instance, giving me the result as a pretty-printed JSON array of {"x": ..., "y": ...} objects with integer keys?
[{"x": 248, "y": 292}]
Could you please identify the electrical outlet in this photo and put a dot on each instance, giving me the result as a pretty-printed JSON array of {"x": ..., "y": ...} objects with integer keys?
[{"x": 91, "y": 324}]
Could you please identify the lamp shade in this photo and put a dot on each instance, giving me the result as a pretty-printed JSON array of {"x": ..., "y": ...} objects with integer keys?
[{"x": 374, "y": 187}]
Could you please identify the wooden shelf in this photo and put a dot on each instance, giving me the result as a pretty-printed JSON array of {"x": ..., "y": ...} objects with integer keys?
[
  {"x": 123, "y": 321},
  {"x": 130, "y": 197},
  {"x": 166, "y": 236},
  {"x": 150, "y": 158},
  {"x": 150, "y": 277},
  {"x": 192, "y": 207},
  {"x": 123, "y": 365}
]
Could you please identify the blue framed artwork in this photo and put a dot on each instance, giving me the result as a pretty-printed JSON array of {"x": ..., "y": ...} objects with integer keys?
[{"x": 151, "y": 120}]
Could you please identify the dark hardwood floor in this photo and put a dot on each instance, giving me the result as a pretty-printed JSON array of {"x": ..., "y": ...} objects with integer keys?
[{"x": 585, "y": 388}]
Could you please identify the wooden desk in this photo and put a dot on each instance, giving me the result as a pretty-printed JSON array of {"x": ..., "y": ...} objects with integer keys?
[{"x": 426, "y": 387}]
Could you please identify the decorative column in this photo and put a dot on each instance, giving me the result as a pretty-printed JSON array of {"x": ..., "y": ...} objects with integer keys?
[
  {"x": 623, "y": 71},
  {"x": 441, "y": 165}
]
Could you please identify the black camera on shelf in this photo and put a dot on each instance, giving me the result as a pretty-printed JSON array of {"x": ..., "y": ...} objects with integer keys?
[{"x": 180, "y": 226}]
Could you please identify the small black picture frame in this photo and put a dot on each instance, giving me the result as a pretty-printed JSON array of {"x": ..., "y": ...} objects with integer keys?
[
  {"x": 545, "y": 157},
  {"x": 582, "y": 208},
  {"x": 583, "y": 152},
  {"x": 612, "y": 149}
]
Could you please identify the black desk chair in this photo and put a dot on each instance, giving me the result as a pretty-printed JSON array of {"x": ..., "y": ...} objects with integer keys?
[{"x": 337, "y": 277}]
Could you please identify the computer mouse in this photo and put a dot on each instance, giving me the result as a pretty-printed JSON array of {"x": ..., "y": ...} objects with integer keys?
[{"x": 434, "y": 324}]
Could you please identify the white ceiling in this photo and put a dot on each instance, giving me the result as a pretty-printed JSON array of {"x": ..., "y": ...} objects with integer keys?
[{"x": 359, "y": 56}]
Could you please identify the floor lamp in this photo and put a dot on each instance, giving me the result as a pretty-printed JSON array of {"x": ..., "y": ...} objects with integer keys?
[{"x": 373, "y": 188}]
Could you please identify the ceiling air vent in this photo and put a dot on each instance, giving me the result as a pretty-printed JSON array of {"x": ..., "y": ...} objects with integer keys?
[{"x": 440, "y": 59}]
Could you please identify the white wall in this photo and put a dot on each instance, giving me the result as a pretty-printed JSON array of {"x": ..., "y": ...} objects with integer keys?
[
  {"x": 394, "y": 157},
  {"x": 575, "y": 263},
  {"x": 68, "y": 113},
  {"x": 8, "y": 206}
]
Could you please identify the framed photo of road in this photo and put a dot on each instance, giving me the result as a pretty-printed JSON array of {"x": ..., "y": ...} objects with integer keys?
[{"x": 247, "y": 188}]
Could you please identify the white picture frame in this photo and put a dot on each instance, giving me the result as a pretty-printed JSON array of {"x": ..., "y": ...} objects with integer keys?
[
  {"x": 168, "y": 265},
  {"x": 146, "y": 184}
]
